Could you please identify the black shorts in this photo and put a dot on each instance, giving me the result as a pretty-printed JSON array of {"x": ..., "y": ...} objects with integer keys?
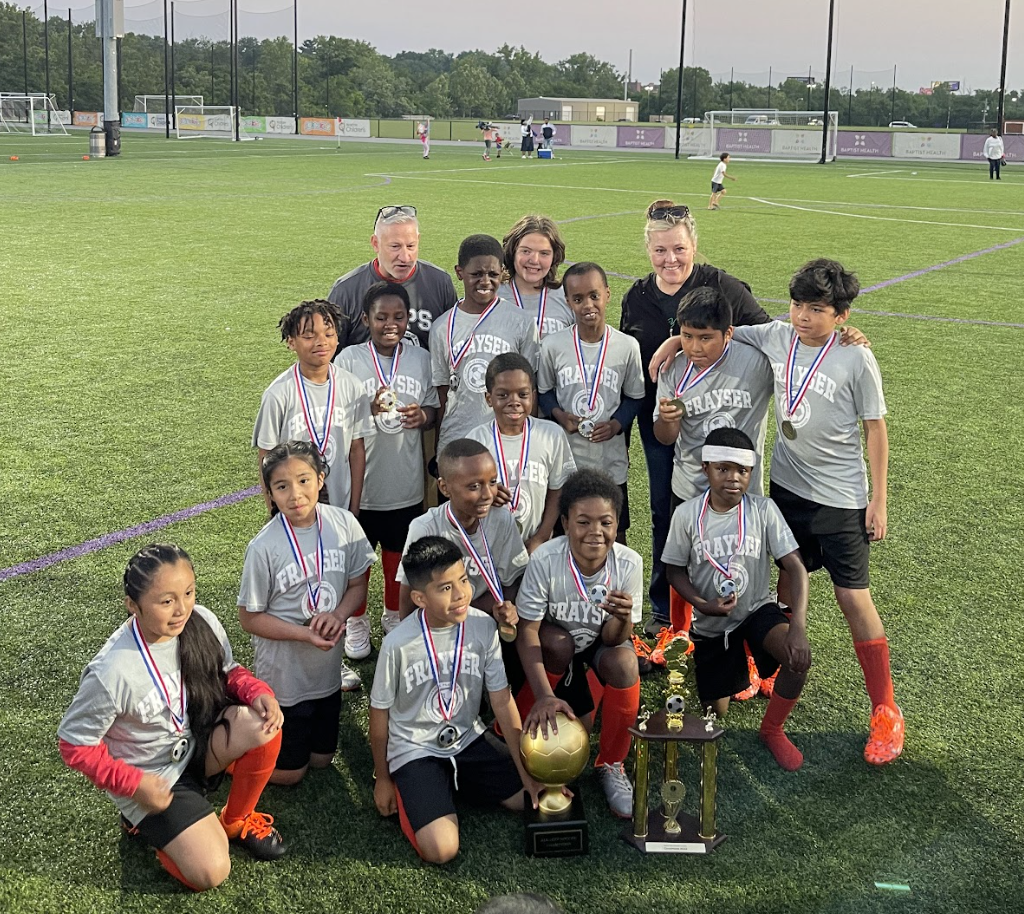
[
  {"x": 309, "y": 727},
  {"x": 835, "y": 539},
  {"x": 573, "y": 687},
  {"x": 486, "y": 776},
  {"x": 722, "y": 671},
  {"x": 716, "y": 188},
  {"x": 389, "y": 529},
  {"x": 188, "y": 806}
]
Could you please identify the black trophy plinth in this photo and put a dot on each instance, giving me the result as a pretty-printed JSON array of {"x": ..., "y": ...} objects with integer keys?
[{"x": 558, "y": 834}]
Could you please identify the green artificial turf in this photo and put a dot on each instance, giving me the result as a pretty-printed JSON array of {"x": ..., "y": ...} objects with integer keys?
[{"x": 140, "y": 302}]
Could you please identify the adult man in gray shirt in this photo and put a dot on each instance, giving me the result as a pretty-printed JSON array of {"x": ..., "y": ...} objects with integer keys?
[{"x": 396, "y": 242}]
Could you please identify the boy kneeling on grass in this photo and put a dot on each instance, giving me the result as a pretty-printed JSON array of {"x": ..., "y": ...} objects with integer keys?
[{"x": 427, "y": 738}]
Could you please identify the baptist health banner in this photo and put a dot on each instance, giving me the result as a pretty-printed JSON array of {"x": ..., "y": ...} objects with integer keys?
[
  {"x": 693, "y": 141},
  {"x": 926, "y": 145},
  {"x": 796, "y": 142},
  {"x": 641, "y": 137},
  {"x": 602, "y": 137},
  {"x": 867, "y": 143},
  {"x": 973, "y": 147}
]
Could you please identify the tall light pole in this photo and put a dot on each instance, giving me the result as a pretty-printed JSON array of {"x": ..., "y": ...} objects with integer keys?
[
  {"x": 828, "y": 82},
  {"x": 1002, "y": 70},
  {"x": 679, "y": 84}
]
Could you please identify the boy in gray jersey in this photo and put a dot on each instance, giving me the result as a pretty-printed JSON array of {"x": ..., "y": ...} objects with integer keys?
[
  {"x": 425, "y": 708},
  {"x": 718, "y": 557},
  {"x": 818, "y": 476},
  {"x": 591, "y": 380},
  {"x": 465, "y": 339}
]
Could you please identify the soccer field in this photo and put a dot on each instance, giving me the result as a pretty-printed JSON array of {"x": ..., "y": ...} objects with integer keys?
[{"x": 140, "y": 302}]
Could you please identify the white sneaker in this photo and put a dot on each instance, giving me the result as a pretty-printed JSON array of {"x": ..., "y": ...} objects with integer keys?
[
  {"x": 389, "y": 620},
  {"x": 617, "y": 789},
  {"x": 357, "y": 638},
  {"x": 350, "y": 679}
]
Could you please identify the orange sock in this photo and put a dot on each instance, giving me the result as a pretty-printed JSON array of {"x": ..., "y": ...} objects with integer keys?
[
  {"x": 621, "y": 707},
  {"x": 680, "y": 612},
  {"x": 786, "y": 754},
  {"x": 874, "y": 661},
  {"x": 172, "y": 868},
  {"x": 252, "y": 771},
  {"x": 389, "y": 563}
]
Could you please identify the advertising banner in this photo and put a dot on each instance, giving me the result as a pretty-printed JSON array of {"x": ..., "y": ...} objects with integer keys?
[
  {"x": 353, "y": 127},
  {"x": 868, "y": 143},
  {"x": 88, "y": 118},
  {"x": 316, "y": 126},
  {"x": 920, "y": 145},
  {"x": 583, "y": 135},
  {"x": 254, "y": 124},
  {"x": 973, "y": 144},
  {"x": 796, "y": 142},
  {"x": 693, "y": 141},
  {"x": 134, "y": 119},
  {"x": 738, "y": 139},
  {"x": 280, "y": 125},
  {"x": 157, "y": 121},
  {"x": 641, "y": 137}
]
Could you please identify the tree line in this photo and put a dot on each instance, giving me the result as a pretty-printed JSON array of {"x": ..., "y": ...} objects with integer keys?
[{"x": 342, "y": 77}]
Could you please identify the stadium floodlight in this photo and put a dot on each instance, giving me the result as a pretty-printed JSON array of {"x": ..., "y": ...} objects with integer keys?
[
  {"x": 211, "y": 121},
  {"x": 33, "y": 115},
  {"x": 770, "y": 133}
]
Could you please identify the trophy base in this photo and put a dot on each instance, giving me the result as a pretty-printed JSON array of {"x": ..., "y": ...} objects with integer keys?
[
  {"x": 687, "y": 841},
  {"x": 556, "y": 835}
]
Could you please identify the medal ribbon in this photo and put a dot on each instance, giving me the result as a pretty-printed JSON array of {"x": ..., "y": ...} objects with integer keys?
[
  {"x": 503, "y": 473},
  {"x": 456, "y": 360},
  {"x": 542, "y": 304},
  {"x": 690, "y": 380},
  {"x": 158, "y": 680},
  {"x": 794, "y": 400},
  {"x": 490, "y": 576},
  {"x": 577, "y": 576},
  {"x": 307, "y": 409},
  {"x": 378, "y": 368},
  {"x": 599, "y": 369},
  {"x": 447, "y": 708},
  {"x": 293, "y": 541},
  {"x": 741, "y": 532}
]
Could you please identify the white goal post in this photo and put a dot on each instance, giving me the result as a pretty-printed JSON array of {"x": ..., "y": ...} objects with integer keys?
[
  {"x": 770, "y": 133},
  {"x": 213, "y": 121},
  {"x": 33, "y": 115},
  {"x": 157, "y": 104}
]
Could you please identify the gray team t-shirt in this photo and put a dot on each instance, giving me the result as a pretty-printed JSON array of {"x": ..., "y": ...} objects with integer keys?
[
  {"x": 280, "y": 419},
  {"x": 557, "y": 314},
  {"x": 394, "y": 455},
  {"x": 430, "y": 289},
  {"x": 506, "y": 329},
  {"x": 549, "y": 463},
  {"x": 733, "y": 395},
  {"x": 623, "y": 376},
  {"x": 549, "y": 592},
  {"x": 404, "y": 686},
  {"x": 118, "y": 704},
  {"x": 767, "y": 536},
  {"x": 825, "y": 464},
  {"x": 273, "y": 582},
  {"x": 500, "y": 532}
]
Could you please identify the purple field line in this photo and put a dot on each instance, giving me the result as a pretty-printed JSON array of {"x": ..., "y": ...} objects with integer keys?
[{"x": 110, "y": 539}]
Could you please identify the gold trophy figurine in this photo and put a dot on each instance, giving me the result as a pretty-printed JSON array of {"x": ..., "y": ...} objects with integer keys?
[
  {"x": 675, "y": 703},
  {"x": 672, "y": 794}
]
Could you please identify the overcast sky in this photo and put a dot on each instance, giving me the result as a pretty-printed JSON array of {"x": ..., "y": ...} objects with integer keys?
[{"x": 927, "y": 39}]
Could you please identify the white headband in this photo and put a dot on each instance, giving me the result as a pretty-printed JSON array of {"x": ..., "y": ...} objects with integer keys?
[{"x": 712, "y": 454}]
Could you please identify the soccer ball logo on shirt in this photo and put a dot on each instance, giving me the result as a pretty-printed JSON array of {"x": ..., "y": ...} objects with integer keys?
[
  {"x": 580, "y": 406},
  {"x": 389, "y": 423},
  {"x": 432, "y": 703},
  {"x": 802, "y": 415},
  {"x": 328, "y": 596},
  {"x": 718, "y": 420},
  {"x": 475, "y": 375}
]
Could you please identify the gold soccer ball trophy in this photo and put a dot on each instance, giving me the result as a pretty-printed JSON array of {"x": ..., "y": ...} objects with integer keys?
[{"x": 556, "y": 760}]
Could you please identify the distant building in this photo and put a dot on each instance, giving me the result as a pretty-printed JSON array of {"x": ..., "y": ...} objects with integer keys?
[{"x": 578, "y": 109}]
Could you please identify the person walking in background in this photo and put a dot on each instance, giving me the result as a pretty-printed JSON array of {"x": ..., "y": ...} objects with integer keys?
[
  {"x": 994, "y": 152},
  {"x": 526, "y": 131}
]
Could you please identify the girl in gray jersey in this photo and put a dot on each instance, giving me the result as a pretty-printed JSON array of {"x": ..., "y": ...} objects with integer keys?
[
  {"x": 534, "y": 250},
  {"x": 161, "y": 711}
]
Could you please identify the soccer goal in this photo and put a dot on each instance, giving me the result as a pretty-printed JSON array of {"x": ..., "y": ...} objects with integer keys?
[
  {"x": 771, "y": 133},
  {"x": 33, "y": 115},
  {"x": 157, "y": 104},
  {"x": 212, "y": 121}
]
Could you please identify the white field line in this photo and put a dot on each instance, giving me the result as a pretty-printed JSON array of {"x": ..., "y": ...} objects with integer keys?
[{"x": 871, "y": 174}]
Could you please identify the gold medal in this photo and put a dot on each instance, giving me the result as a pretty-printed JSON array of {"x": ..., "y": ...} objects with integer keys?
[
  {"x": 507, "y": 631},
  {"x": 387, "y": 400},
  {"x": 788, "y": 430}
]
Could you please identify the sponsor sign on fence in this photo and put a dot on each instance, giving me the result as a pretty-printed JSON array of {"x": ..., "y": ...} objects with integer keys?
[
  {"x": 316, "y": 126},
  {"x": 254, "y": 124},
  {"x": 796, "y": 142},
  {"x": 733, "y": 139},
  {"x": 134, "y": 119},
  {"x": 582, "y": 135},
  {"x": 693, "y": 141},
  {"x": 641, "y": 137},
  {"x": 865, "y": 143},
  {"x": 157, "y": 121},
  {"x": 973, "y": 145},
  {"x": 922, "y": 145},
  {"x": 352, "y": 128},
  {"x": 88, "y": 118},
  {"x": 280, "y": 125}
]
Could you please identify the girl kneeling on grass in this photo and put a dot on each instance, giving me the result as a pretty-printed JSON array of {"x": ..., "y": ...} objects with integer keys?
[{"x": 161, "y": 711}]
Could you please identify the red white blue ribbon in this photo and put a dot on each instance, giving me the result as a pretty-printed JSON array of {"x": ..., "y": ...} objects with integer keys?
[
  {"x": 320, "y": 440},
  {"x": 487, "y": 569},
  {"x": 690, "y": 380},
  {"x": 447, "y": 708},
  {"x": 503, "y": 472},
  {"x": 378, "y": 368},
  {"x": 794, "y": 400},
  {"x": 542, "y": 304},
  {"x": 602, "y": 354},
  {"x": 158, "y": 680},
  {"x": 455, "y": 359},
  {"x": 741, "y": 533},
  {"x": 577, "y": 575},
  {"x": 293, "y": 541}
]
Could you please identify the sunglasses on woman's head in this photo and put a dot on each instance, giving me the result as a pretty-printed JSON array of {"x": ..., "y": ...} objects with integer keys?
[{"x": 664, "y": 212}]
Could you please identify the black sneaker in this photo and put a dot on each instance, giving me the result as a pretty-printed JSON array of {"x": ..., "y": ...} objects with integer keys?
[{"x": 256, "y": 833}]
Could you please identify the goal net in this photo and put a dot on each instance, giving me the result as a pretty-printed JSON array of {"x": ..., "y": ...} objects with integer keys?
[
  {"x": 157, "y": 104},
  {"x": 770, "y": 133},
  {"x": 216, "y": 121},
  {"x": 33, "y": 115}
]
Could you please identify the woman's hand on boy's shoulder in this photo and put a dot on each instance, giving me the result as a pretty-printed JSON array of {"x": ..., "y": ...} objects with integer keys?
[{"x": 851, "y": 336}]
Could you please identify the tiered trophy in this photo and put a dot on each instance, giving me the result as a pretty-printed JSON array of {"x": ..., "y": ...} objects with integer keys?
[{"x": 673, "y": 831}]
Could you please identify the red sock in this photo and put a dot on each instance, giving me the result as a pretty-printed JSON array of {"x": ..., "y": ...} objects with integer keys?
[
  {"x": 525, "y": 700},
  {"x": 596, "y": 689},
  {"x": 621, "y": 707},
  {"x": 389, "y": 562},
  {"x": 405, "y": 824},
  {"x": 252, "y": 771},
  {"x": 874, "y": 661},
  {"x": 172, "y": 868},
  {"x": 786, "y": 754},
  {"x": 680, "y": 612}
]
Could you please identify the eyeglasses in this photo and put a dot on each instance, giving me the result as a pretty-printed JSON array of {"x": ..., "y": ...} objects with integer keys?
[
  {"x": 668, "y": 212},
  {"x": 388, "y": 212}
]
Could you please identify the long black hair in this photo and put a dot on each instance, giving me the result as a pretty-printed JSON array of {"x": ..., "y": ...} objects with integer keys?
[{"x": 199, "y": 650}]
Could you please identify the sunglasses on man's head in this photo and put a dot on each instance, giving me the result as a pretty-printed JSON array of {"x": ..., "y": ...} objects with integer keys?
[
  {"x": 387, "y": 212},
  {"x": 664, "y": 212}
]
